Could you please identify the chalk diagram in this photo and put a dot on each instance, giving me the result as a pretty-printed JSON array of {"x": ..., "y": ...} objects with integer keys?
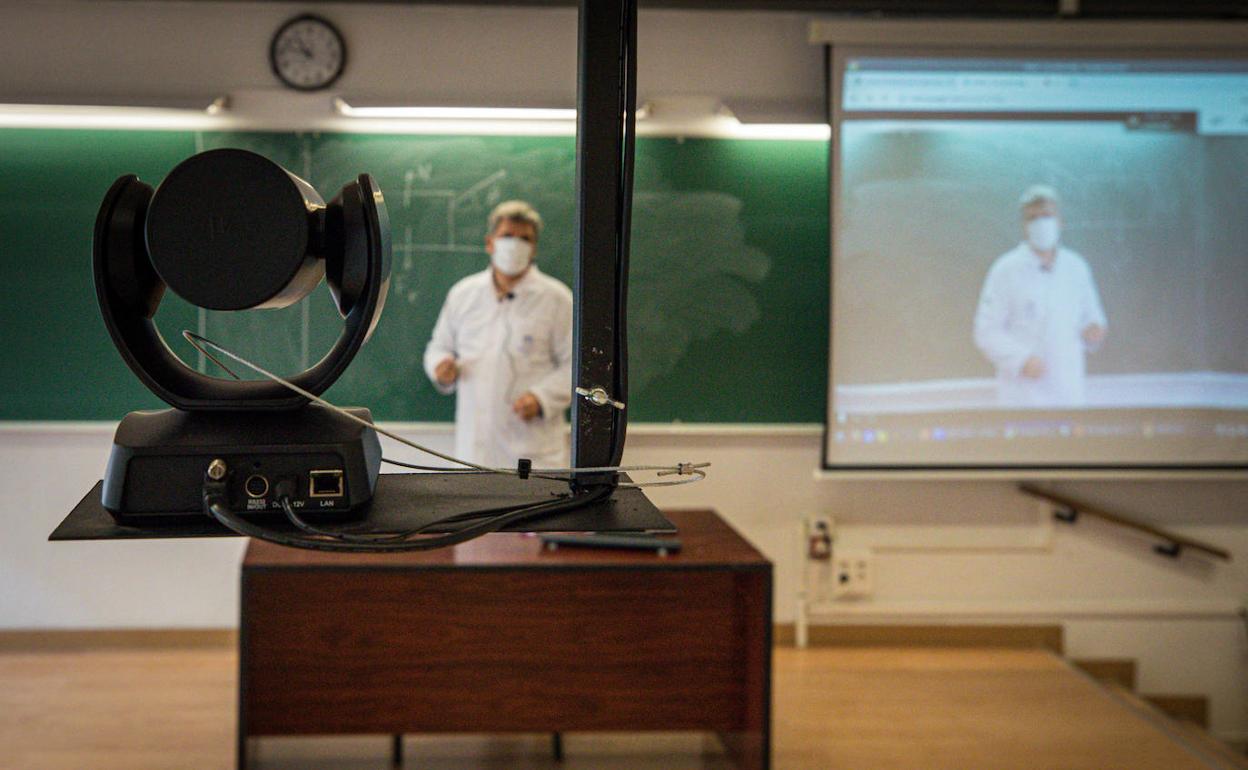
[
  {"x": 693, "y": 276},
  {"x": 480, "y": 196}
]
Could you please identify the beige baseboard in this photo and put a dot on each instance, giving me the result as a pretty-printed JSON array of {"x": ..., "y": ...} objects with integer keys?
[
  {"x": 1017, "y": 636},
  {"x": 68, "y": 640},
  {"x": 1047, "y": 637}
]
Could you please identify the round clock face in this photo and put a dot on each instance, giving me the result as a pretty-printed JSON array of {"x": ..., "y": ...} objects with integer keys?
[{"x": 308, "y": 53}]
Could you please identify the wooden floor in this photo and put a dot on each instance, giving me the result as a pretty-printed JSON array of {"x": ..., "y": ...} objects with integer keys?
[{"x": 834, "y": 708}]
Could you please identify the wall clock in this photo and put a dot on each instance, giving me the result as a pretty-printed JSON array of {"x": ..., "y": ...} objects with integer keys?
[{"x": 308, "y": 53}]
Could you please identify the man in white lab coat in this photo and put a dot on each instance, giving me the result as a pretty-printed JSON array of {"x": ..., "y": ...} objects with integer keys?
[
  {"x": 503, "y": 344},
  {"x": 1039, "y": 313}
]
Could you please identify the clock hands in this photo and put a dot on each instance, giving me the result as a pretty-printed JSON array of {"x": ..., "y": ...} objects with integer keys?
[{"x": 308, "y": 53}]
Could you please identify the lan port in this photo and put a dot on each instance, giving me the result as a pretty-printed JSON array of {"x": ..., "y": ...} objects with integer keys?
[{"x": 325, "y": 484}]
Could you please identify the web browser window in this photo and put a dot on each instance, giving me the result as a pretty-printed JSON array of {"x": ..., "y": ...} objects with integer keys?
[{"x": 1039, "y": 259}]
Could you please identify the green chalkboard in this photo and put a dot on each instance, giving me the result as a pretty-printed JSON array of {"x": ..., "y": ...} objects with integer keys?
[{"x": 727, "y": 307}]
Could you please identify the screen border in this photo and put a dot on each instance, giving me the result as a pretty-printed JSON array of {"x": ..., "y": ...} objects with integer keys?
[{"x": 835, "y": 58}]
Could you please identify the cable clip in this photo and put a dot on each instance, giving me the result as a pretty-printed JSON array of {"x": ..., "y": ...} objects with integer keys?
[
  {"x": 599, "y": 397},
  {"x": 523, "y": 467},
  {"x": 685, "y": 469}
]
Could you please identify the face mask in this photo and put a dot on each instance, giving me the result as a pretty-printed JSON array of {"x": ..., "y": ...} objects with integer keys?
[
  {"x": 511, "y": 255},
  {"x": 1043, "y": 232}
]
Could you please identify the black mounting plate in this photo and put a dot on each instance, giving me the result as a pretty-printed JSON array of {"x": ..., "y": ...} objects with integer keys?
[{"x": 404, "y": 501}]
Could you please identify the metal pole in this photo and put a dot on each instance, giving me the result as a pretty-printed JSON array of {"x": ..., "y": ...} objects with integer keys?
[{"x": 606, "y": 100}]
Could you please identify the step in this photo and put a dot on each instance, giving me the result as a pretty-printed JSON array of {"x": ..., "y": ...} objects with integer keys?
[
  {"x": 1216, "y": 753},
  {"x": 1183, "y": 708},
  {"x": 1120, "y": 671}
]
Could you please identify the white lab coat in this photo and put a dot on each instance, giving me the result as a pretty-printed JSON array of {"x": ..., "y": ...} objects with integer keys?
[
  {"x": 505, "y": 347},
  {"x": 1026, "y": 310}
]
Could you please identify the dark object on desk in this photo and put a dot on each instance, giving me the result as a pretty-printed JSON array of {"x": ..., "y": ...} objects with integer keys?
[
  {"x": 403, "y": 501},
  {"x": 662, "y": 546},
  {"x": 500, "y": 635}
]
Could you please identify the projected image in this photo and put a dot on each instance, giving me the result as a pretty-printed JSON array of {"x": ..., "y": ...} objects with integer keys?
[
  {"x": 1039, "y": 312},
  {"x": 1007, "y": 284},
  {"x": 1033, "y": 263}
]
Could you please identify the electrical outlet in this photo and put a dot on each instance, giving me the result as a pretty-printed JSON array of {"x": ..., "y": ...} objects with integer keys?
[
  {"x": 853, "y": 574},
  {"x": 817, "y": 545},
  {"x": 818, "y": 535}
]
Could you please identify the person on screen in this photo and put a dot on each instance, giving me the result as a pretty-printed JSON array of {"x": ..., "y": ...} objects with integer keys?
[
  {"x": 1039, "y": 313},
  {"x": 503, "y": 344}
]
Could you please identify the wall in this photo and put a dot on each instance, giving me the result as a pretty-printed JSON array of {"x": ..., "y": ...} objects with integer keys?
[
  {"x": 949, "y": 550},
  {"x": 419, "y": 54}
]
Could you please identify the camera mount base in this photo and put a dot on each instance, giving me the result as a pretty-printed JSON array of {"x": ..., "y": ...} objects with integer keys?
[{"x": 326, "y": 464}]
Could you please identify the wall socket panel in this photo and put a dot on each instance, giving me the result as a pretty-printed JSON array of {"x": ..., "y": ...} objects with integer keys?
[
  {"x": 817, "y": 528},
  {"x": 853, "y": 574}
]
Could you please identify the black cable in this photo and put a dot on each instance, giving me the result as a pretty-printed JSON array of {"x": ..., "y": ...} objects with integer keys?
[
  {"x": 625, "y": 252},
  {"x": 628, "y": 112},
  {"x": 216, "y": 505},
  {"x": 477, "y": 514},
  {"x": 372, "y": 537},
  {"x": 436, "y": 469}
]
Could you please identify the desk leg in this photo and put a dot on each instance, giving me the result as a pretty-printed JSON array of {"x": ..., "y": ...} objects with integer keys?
[
  {"x": 751, "y": 747},
  {"x": 749, "y": 751},
  {"x": 240, "y": 732}
]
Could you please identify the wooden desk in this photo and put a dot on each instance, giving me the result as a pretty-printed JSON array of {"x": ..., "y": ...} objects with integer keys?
[{"x": 500, "y": 635}]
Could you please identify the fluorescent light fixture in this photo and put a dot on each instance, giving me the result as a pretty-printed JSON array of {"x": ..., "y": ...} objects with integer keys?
[
  {"x": 820, "y": 132},
  {"x": 455, "y": 113},
  {"x": 90, "y": 116},
  {"x": 194, "y": 102},
  {"x": 262, "y": 112},
  {"x": 97, "y": 113},
  {"x": 717, "y": 123},
  {"x": 728, "y": 127},
  {"x": 708, "y": 117}
]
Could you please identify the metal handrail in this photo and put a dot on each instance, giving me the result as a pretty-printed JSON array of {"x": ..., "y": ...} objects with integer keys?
[{"x": 1174, "y": 544}]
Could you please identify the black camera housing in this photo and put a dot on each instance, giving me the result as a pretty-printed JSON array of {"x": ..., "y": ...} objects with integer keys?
[{"x": 231, "y": 230}]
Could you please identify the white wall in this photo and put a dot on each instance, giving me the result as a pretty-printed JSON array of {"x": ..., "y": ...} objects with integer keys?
[
  {"x": 420, "y": 54},
  {"x": 952, "y": 550}
]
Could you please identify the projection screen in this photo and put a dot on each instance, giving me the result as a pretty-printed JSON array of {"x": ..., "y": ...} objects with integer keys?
[{"x": 1039, "y": 260}]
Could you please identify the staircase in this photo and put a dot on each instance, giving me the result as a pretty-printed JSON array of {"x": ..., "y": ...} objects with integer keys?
[{"x": 1185, "y": 717}]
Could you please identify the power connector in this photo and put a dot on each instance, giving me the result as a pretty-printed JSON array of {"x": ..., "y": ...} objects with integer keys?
[{"x": 853, "y": 574}]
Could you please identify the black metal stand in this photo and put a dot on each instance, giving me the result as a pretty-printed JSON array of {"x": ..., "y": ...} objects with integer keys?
[{"x": 605, "y": 126}]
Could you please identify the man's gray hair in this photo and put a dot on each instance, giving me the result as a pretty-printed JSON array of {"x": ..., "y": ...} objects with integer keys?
[
  {"x": 519, "y": 211},
  {"x": 1038, "y": 193}
]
